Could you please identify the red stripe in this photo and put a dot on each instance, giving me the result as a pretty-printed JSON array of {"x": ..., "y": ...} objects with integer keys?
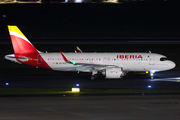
[
  {"x": 79, "y": 51},
  {"x": 65, "y": 59}
]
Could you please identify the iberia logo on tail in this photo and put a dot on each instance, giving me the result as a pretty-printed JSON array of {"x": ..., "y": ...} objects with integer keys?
[{"x": 24, "y": 50}]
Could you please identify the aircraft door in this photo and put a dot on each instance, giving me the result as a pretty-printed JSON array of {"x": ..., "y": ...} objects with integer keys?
[{"x": 151, "y": 60}]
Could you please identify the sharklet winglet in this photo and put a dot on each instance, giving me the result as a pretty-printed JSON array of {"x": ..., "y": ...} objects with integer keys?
[
  {"x": 66, "y": 60},
  {"x": 79, "y": 50}
]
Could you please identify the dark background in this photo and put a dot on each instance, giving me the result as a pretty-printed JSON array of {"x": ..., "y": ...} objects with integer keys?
[{"x": 129, "y": 20}]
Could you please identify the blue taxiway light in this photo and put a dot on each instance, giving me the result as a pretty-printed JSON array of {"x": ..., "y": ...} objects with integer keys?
[
  {"x": 6, "y": 83},
  {"x": 77, "y": 85},
  {"x": 149, "y": 86}
]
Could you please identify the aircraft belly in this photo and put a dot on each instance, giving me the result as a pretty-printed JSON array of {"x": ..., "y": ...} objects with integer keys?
[
  {"x": 138, "y": 67},
  {"x": 65, "y": 69}
]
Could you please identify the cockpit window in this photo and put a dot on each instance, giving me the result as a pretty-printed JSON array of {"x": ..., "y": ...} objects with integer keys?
[{"x": 163, "y": 59}]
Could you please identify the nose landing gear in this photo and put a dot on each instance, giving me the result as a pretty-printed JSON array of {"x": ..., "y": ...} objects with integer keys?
[{"x": 152, "y": 74}]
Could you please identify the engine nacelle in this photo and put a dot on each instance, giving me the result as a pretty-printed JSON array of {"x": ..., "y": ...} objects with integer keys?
[{"x": 113, "y": 73}]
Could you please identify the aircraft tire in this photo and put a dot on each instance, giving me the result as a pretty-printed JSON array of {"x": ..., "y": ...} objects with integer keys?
[
  {"x": 92, "y": 77},
  {"x": 95, "y": 76}
]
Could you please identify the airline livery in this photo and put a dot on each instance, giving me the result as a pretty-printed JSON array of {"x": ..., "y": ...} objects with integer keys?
[{"x": 111, "y": 65}]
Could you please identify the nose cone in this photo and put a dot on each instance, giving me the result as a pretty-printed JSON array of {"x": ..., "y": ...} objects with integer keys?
[{"x": 172, "y": 65}]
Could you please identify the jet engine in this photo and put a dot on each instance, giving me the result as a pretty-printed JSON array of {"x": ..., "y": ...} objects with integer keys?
[{"x": 113, "y": 73}]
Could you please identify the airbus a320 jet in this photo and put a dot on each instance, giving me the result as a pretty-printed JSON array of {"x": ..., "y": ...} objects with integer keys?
[{"x": 111, "y": 65}]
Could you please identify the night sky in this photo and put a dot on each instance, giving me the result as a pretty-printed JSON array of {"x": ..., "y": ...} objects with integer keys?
[{"x": 92, "y": 20}]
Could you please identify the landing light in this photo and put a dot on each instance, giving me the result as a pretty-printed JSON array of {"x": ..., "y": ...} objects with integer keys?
[{"x": 152, "y": 74}]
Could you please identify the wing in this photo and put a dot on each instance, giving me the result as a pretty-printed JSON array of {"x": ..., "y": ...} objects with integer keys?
[{"x": 87, "y": 65}]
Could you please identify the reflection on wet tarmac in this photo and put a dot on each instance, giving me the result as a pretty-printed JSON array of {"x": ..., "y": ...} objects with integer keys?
[{"x": 175, "y": 79}]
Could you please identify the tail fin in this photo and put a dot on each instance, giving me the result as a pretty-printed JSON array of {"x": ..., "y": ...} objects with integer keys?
[
  {"x": 19, "y": 41},
  {"x": 79, "y": 50}
]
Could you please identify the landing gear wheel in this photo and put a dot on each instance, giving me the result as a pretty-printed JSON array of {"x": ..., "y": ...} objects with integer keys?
[
  {"x": 152, "y": 74},
  {"x": 95, "y": 76},
  {"x": 92, "y": 77}
]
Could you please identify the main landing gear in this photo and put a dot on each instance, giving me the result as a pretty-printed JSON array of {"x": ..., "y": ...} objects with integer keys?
[{"x": 94, "y": 74}]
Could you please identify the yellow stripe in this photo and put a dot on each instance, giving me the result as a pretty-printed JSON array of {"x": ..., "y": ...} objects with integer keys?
[
  {"x": 77, "y": 47},
  {"x": 14, "y": 28}
]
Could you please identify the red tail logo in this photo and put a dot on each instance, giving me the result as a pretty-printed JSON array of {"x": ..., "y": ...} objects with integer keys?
[
  {"x": 23, "y": 48},
  {"x": 20, "y": 43}
]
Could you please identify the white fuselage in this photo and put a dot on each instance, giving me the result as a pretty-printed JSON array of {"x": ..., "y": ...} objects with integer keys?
[{"x": 127, "y": 61}]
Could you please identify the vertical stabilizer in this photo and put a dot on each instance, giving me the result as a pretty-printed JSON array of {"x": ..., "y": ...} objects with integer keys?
[{"x": 19, "y": 41}]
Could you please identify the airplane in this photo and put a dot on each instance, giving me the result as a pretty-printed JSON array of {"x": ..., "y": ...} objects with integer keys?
[{"x": 111, "y": 65}]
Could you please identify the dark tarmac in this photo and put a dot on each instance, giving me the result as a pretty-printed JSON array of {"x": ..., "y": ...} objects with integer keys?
[
  {"x": 150, "y": 107},
  {"x": 167, "y": 80}
]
